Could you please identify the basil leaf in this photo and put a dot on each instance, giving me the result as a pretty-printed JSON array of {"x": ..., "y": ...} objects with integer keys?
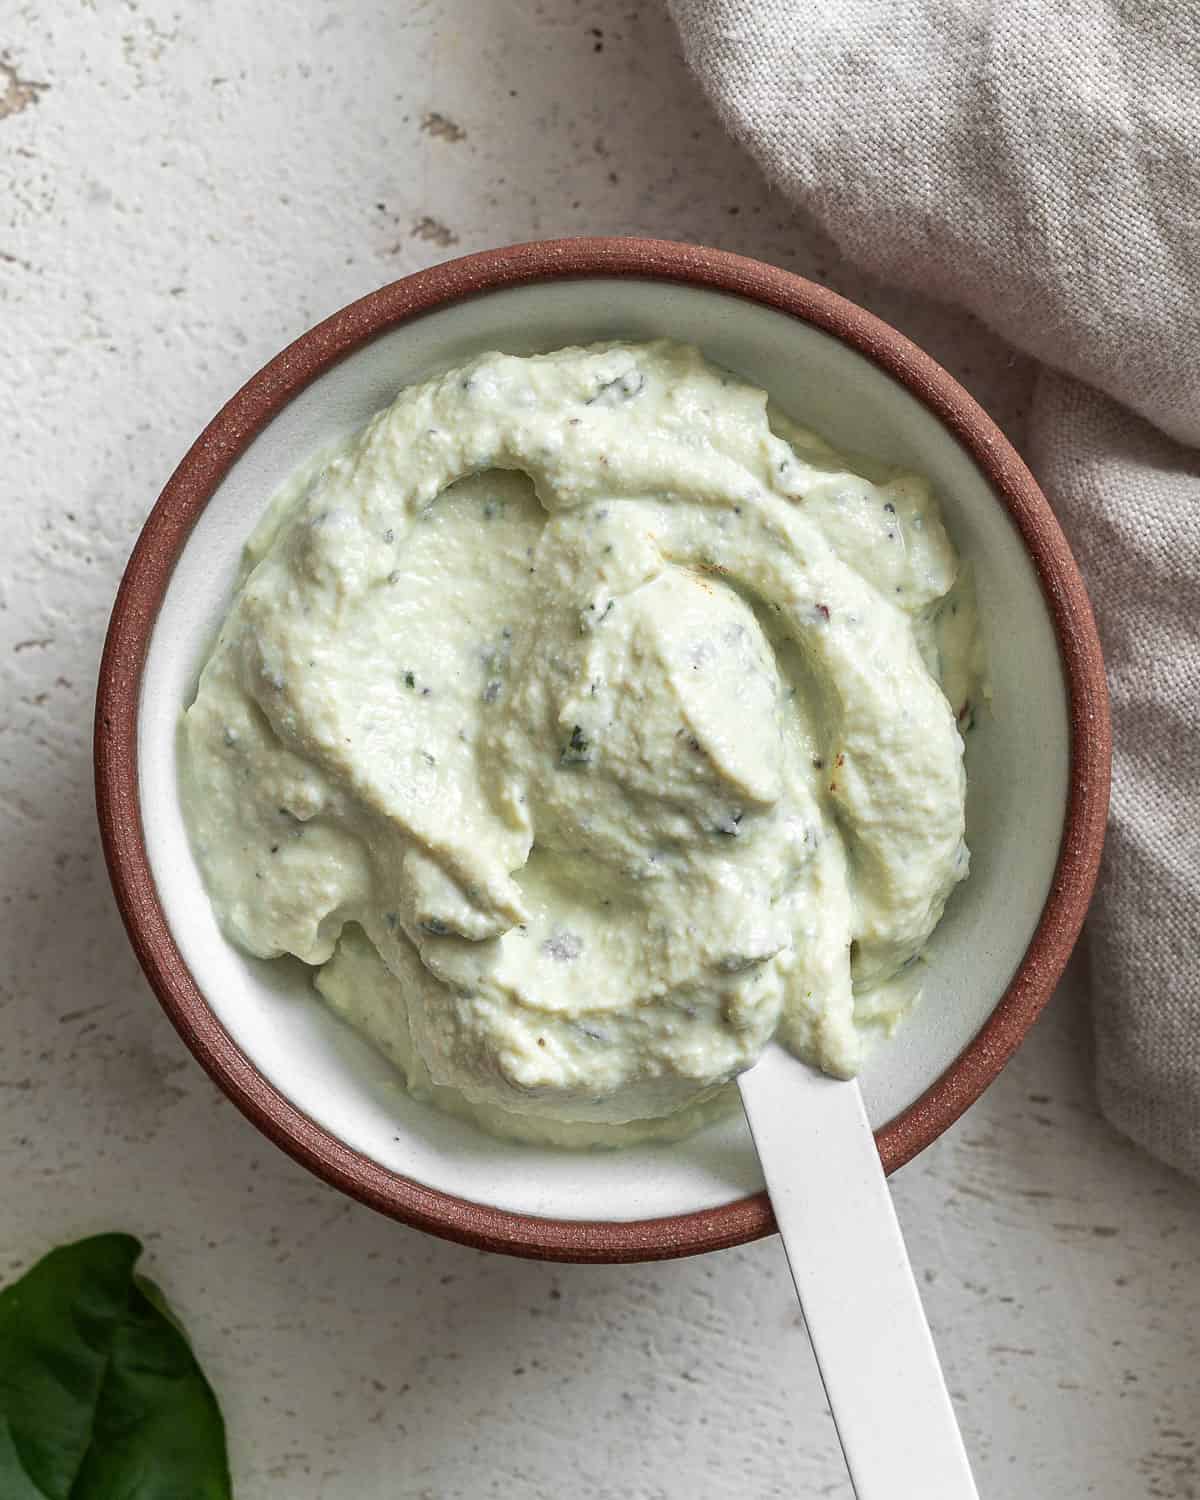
[{"x": 101, "y": 1397}]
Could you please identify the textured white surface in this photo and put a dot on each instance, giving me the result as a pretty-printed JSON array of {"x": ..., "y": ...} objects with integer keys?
[{"x": 194, "y": 185}]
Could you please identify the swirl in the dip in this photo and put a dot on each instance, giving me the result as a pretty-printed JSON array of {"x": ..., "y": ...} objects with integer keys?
[{"x": 585, "y": 726}]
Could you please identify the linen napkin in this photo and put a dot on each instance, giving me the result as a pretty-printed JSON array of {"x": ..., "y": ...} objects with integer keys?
[{"x": 1038, "y": 162}]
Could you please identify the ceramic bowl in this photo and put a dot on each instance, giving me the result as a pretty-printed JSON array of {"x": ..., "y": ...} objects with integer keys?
[{"x": 1037, "y": 763}]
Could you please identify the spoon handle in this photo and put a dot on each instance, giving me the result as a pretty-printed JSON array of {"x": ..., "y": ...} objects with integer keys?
[{"x": 860, "y": 1302}]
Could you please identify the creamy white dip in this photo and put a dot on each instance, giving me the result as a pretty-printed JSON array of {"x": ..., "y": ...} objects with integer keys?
[{"x": 582, "y": 722}]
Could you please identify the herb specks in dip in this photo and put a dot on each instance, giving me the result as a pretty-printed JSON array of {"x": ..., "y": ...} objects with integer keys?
[{"x": 585, "y": 725}]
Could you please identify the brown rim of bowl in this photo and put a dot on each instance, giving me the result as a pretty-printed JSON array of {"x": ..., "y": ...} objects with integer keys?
[{"x": 201, "y": 471}]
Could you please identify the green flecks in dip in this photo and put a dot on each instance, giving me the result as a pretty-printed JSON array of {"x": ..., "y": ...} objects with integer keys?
[{"x": 583, "y": 724}]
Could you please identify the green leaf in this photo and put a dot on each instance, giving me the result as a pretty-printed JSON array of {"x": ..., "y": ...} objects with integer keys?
[{"x": 101, "y": 1397}]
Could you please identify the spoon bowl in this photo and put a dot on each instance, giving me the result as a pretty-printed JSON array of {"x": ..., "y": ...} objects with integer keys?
[{"x": 1037, "y": 762}]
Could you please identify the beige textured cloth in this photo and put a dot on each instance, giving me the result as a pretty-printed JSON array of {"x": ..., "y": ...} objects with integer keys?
[{"x": 1038, "y": 162}]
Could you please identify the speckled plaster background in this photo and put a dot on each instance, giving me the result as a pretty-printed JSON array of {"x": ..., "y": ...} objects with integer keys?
[{"x": 183, "y": 188}]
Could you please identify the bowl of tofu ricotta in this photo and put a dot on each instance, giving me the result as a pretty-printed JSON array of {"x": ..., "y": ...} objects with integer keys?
[{"x": 563, "y": 674}]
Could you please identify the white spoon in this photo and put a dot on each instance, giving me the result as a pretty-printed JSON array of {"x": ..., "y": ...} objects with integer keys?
[{"x": 860, "y": 1302}]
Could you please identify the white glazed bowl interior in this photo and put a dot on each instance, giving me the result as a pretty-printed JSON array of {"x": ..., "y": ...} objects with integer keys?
[{"x": 1017, "y": 756}]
